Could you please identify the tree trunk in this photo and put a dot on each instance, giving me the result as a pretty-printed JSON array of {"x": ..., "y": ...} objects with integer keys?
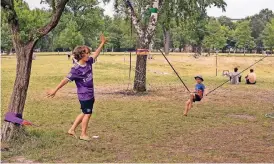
[
  {"x": 217, "y": 64},
  {"x": 209, "y": 51},
  {"x": 140, "y": 71},
  {"x": 199, "y": 49},
  {"x": 19, "y": 94},
  {"x": 145, "y": 36},
  {"x": 8, "y": 51},
  {"x": 166, "y": 40},
  {"x": 24, "y": 53},
  {"x": 180, "y": 47},
  {"x": 151, "y": 45}
]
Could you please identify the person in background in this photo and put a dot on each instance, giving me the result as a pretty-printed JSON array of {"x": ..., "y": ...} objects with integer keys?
[
  {"x": 68, "y": 55},
  {"x": 235, "y": 77},
  {"x": 251, "y": 77}
]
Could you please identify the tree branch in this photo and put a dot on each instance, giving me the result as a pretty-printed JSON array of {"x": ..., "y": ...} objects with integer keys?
[
  {"x": 12, "y": 17},
  {"x": 135, "y": 20},
  {"x": 6, "y": 3},
  {"x": 153, "y": 20},
  {"x": 81, "y": 26},
  {"x": 54, "y": 20}
]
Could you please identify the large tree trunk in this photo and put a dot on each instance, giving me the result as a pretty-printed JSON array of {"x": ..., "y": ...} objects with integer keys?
[
  {"x": 24, "y": 51},
  {"x": 145, "y": 36},
  {"x": 140, "y": 73},
  {"x": 19, "y": 94},
  {"x": 141, "y": 65}
]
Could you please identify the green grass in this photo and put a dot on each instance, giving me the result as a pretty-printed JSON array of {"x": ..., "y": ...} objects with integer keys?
[{"x": 227, "y": 126}]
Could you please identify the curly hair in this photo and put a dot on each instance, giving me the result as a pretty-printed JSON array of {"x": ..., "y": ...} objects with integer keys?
[{"x": 79, "y": 52}]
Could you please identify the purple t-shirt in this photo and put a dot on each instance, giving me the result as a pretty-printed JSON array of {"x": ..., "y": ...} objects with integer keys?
[{"x": 82, "y": 75}]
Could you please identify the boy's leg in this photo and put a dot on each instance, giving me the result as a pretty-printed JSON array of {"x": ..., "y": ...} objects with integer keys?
[
  {"x": 77, "y": 121},
  {"x": 189, "y": 104},
  {"x": 192, "y": 97},
  {"x": 85, "y": 124},
  {"x": 186, "y": 107}
]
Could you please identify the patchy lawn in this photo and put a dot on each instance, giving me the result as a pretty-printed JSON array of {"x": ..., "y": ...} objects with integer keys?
[{"x": 229, "y": 125}]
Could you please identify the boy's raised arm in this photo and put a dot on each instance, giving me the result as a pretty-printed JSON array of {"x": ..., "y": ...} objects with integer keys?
[
  {"x": 97, "y": 52},
  {"x": 52, "y": 93}
]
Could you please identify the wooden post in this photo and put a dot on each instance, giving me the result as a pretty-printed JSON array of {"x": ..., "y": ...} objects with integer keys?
[{"x": 216, "y": 64}]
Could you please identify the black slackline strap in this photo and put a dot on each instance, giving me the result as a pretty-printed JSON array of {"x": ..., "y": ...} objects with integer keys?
[{"x": 175, "y": 71}]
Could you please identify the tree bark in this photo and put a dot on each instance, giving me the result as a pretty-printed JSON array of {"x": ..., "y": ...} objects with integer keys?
[
  {"x": 166, "y": 40},
  {"x": 199, "y": 49},
  {"x": 19, "y": 94},
  {"x": 8, "y": 51},
  {"x": 140, "y": 73},
  {"x": 151, "y": 45}
]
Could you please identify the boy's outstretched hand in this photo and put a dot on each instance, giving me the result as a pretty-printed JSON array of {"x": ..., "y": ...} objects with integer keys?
[
  {"x": 51, "y": 93},
  {"x": 103, "y": 39}
]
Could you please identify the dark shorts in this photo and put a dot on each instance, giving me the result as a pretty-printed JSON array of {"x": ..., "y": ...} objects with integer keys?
[
  {"x": 197, "y": 98},
  {"x": 248, "y": 82},
  {"x": 87, "y": 106}
]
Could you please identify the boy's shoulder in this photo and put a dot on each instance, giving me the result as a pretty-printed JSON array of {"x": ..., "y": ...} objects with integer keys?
[
  {"x": 75, "y": 69},
  {"x": 75, "y": 66}
]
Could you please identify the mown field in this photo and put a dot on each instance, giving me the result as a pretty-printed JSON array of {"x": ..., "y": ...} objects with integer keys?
[{"x": 229, "y": 125}]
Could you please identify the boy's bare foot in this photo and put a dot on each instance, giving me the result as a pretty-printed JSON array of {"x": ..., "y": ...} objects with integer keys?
[
  {"x": 72, "y": 133},
  {"x": 185, "y": 114}
]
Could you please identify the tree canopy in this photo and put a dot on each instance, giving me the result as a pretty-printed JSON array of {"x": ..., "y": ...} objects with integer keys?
[
  {"x": 215, "y": 37},
  {"x": 268, "y": 35},
  {"x": 83, "y": 20},
  {"x": 243, "y": 36}
]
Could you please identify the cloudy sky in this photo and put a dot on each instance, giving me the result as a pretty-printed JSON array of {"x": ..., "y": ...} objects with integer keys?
[{"x": 235, "y": 8}]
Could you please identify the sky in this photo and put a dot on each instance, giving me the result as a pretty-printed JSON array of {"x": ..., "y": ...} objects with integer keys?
[{"x": 235, "y": 9}]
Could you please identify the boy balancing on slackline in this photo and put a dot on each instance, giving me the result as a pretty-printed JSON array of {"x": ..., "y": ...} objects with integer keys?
[
  {"x": 81, "y": 73},
  {"x": 197, "y": 95}
]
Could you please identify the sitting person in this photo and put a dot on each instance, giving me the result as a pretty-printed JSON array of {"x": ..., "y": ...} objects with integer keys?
[
  {"x": 235, "y": 77},
  {"x": 251, "y": 77}
]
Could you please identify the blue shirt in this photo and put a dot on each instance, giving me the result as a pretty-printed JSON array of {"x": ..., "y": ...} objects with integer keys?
[{"x": 200, "y": 87}]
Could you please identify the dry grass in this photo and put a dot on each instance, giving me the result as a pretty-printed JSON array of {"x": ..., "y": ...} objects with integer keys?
[{"x": 227, "y": 126}]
